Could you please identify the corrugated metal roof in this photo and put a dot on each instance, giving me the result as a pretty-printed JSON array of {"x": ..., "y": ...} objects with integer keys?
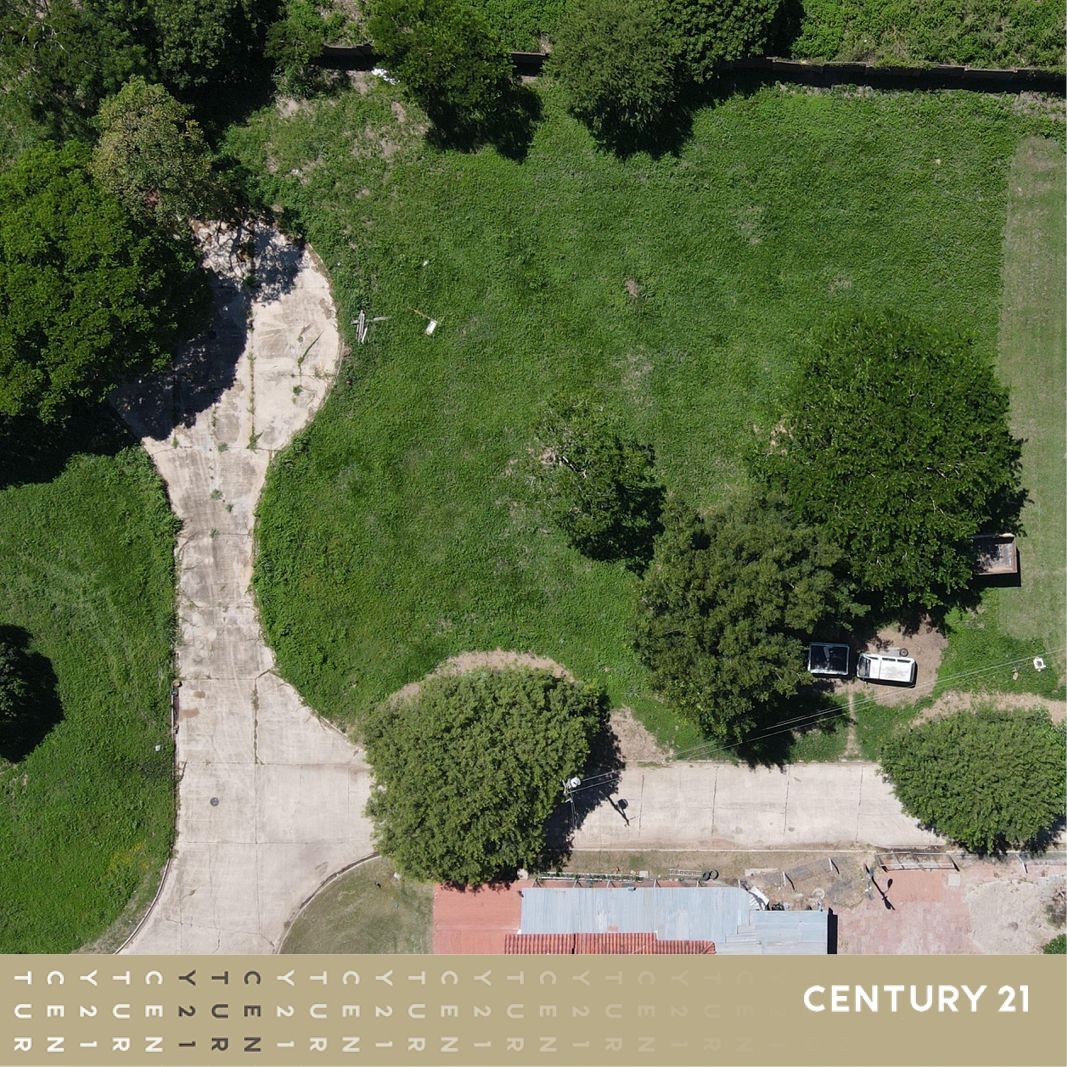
[
  {"x": 673, "y": 914},
  {"x": 602, "y": 945},
  {"x": 728, "y": 918}
]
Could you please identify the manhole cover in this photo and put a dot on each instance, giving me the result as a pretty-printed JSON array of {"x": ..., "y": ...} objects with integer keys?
[{"x": 214, "y": 802}]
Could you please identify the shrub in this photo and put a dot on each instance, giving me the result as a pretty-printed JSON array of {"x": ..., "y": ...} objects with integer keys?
[
  {"x": 896, "y": 444},
  {"x": 87, "y": 295},
  {"x": 446, "y": 57},
  {"x": 1057, "y": 946},
  {"x": 298, "y": 38},
  {"x": 619, "y": 64},
  {"x": 708, "y": 32},
  {"x": 468, "y": 771},
  {"x": 992, "y": 780},
  {"x": 152, "y": 157},
  {"x": 598, "y": 484},
  {"x": 726, "y": 609}
]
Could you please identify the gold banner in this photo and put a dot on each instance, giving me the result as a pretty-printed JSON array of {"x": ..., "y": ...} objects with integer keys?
[{"x": 296, "y": 1011}]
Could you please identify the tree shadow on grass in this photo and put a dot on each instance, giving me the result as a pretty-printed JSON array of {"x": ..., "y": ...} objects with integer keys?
[
  {"x": 40, "y": 709},
  {"x": 811, "y": 712},
  {"x": 32, "y": 453},
  {"x": 509, "y": 129}
]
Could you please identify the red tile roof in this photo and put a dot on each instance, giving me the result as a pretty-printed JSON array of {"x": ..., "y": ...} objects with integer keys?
[{"x": 602, "y": 944}]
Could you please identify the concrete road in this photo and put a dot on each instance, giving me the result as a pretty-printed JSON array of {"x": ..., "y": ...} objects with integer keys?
[
  {"x": 720, "y": 805},
  {"x": 270, "y": 798}
]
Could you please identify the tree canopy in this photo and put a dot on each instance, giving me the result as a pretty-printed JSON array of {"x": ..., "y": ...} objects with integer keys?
[
  {"x": 991, "y": 780},
  {"x": 709, "y": 32},
  {"x": 447, "y": 58},
  {"x": 599, "y": 485},
  {"x": 87, "y": 295},
  {"x": 726, "y": 610},
  {"x": 468, "y": 771},
  {"x": 619, "y": 63},
  {"x": 61, "y": 58},
  {"x": 896, "y": 444},
  {"x": 152, "y": 156}
]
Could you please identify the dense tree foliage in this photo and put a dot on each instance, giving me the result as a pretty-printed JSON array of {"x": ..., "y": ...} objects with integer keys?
[
  {"x": 152, "y": 156},
  {"x": 708, "y": 32},
  {"x": 61, "y": 58},
  {"x": 727, "y": 607},
  {"x": 468, "y": 771},
  {"x": 205, "y": 44},
  {"x": 992, "y": 780},
  {"x": 299, "y": 36},
  {"x": 446, "y": 57},
  {"x": 896, "y": 445},
  {"x": 620, "y": 65},
  {"x": 599, "y": 485},
  {"x": 87, "y": 294}
]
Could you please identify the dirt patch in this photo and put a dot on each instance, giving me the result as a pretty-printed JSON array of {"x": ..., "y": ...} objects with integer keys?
[
  {"x": 950, "y": 703},
  {"x": 497, "y": 660},
  {"x": 1012, "y": 916},
  {"x": 633, "y": 290},
  {"x": 926, "y": 645},
  {"x": 636, "y": 744},
  {"x": 399, "y": 112}
]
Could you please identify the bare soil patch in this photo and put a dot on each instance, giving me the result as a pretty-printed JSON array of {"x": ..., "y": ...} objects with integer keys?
[
  {"x": 952, "y": 702},
  {"x": 926, "y": 645},
  {"x": 497, "y": 660},
  {"x": 636, "y": 744}
]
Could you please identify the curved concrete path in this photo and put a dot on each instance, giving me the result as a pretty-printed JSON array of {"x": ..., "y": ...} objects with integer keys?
[{"x": 270, "y": 798}]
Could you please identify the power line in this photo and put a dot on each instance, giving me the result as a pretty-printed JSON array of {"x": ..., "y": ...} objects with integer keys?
[{"x": 789, "y": 725}]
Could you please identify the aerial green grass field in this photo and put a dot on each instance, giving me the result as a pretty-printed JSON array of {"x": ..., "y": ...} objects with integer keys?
[
  {"x": 400, "y": 528},
  {"x": 86, "y": 576},
  {"x": 366, "y": 910},
  {"x": 978, "y": 33}
]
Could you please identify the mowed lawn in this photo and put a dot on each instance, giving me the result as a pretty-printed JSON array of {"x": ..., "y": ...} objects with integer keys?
[
  {"x": 86, "y": 575},
  {"x": 400, "y": 528},
  {"x": 1033, "y": 340},
  {"x": 1014, "y": 624}
]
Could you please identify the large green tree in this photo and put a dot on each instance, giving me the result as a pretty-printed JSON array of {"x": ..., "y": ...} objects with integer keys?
[
  {"x": 710, "y": 31},
  {"x": 727, "y": 607},
  {"x": 447, "y": 59},
  {"x": 599, "y": 484},
  {"x": 87, "y": 294},
  {"x": 992, "y": 780},
  {"x": 896, "y": 444},
  {"x": 205, "y": 45},
  {"x": 152, "y": 156},
  {"x": 468, "y": 771},
  {"x": 619, "y": 62}
]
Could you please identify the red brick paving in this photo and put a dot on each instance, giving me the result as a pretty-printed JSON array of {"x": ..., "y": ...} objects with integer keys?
[{"x": 475, "y": 920}]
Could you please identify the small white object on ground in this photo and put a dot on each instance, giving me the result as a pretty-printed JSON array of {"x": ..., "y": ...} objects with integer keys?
[
  {"x": 381, "y": 72},
  {"x": 1039, "y": 664},
  {"x": 431, "y": 326}
]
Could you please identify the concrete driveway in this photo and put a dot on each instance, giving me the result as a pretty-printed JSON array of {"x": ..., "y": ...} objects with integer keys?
[
  {"x": 721, "y": 805},
  {"x": 270, "y": 798}
]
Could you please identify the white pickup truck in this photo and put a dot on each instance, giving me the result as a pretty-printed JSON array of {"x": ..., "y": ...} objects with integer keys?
[{"x": 886, "y": 667}]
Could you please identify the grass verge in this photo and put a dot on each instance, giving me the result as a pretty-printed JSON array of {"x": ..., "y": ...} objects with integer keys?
[
  {"x": 365, "y": 910},
  {"x": 86, "y": 573}
]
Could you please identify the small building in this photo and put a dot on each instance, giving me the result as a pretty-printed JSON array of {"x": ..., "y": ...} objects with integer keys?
[
  {"x": 996, "y": 554},
  {"x": 720, "y": 920}
]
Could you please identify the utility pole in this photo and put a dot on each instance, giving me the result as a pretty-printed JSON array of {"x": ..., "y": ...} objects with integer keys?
[{"x": 569, "y": 786}]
